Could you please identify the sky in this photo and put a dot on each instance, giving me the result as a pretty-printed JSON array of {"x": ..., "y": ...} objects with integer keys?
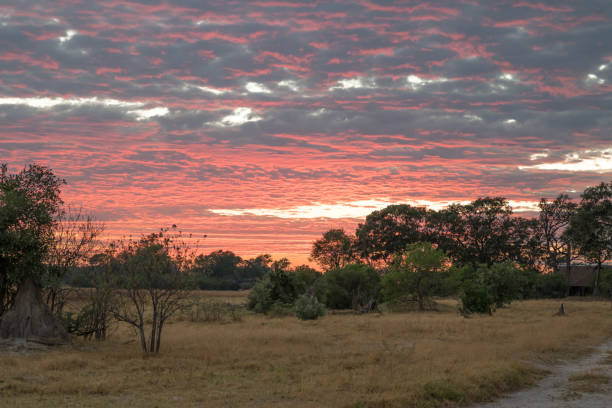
[{"x": 262, "y": 124}]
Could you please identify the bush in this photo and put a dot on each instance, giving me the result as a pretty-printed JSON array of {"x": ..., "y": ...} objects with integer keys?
[
  {"x": 278, "y": 286},
  {"x": 477, "y": 299},
  {"x": 260, "y": 299},
  {"x": 421, "y": 270},
  {"x": 89, "y": 322},
  {"x": 550, "y": 285},
  {"x": 308, "y": 307},
  {"x": 504, "y": 282},
  {"x": 305, "y": 277},
  {"x": 351, "y": 287}
]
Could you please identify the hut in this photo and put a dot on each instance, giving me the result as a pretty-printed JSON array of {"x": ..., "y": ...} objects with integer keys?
[{"x": 581, "y": 278}]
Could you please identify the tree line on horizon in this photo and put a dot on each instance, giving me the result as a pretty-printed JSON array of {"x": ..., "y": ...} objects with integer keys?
[
  {"x": 479, "y": 251},
  {"x": 483, "y": 232}
]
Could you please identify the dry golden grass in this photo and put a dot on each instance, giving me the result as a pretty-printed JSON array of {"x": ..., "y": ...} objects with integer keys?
[{"x": 391, "y": 360}]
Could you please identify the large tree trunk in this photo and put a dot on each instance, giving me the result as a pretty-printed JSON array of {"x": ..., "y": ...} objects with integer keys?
[{"x": 31, "y": 319}]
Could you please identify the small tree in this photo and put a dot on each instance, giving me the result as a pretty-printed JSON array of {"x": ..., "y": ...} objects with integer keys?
[
  {"x": 95, "y": 316},
  {"x": 498, "y": 284},
  {"x": 553, "y": 220},
  {"x": 416, "y": 271},
  {"x": 305, "y": 277},
  {"x": 279, "y": 287},
  {"x": 74, "y": 240},
  {"x": 351, "y": 287},
  {"x": 476, "y": 299},
  {"x": 334, "y": 250},
  {"x": 151, "y": 273},
  {"x": 504, "y": 282}
]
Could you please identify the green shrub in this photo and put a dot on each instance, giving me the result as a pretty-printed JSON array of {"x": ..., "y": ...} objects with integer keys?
[
  {"x": 550, "y": 285},
  {"x": 305, "y": 277},
  {"x": 260, "y": 299},
  {"x": 278, "y": 286},
  {"x": 504, "y": 282},
  {"x": 420, "y": 271},
  {"x": 477, "y": 299},
  {"x": 308, "y": 307},
  {"x": 351, "y": 287}
]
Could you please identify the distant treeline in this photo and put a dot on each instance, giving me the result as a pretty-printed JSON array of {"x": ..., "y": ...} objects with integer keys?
[
  {"x": 219, "y": 270},
  {"x": 483, "y": 232}
]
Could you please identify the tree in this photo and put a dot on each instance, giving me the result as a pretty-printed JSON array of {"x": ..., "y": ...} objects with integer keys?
[
  {"x": 591, "y": 227},
  {"x": 553, "y": 220},
  {"x": 151, "y": 272},
  {"x": 351, "y": 287},
  {"x": 29, "y": 203},
  {"x": 524, "y": 244},
  {"x": 305, "y": 277},
  {"x": 219, "y": 270},
  {"x": 95, "y": 317},
  {"x": 505, "y": 282},
  {"x": 499, "y": 284},
  {"x": 476, "y": 299},
  {"x": 416, "y": 271},
  {"x": 334, "y": 250},
  {"x": 278, "y": 287},
  {"x": 254, "y": 269},
  {"x": 74, "y": 240},
  {"x": 388, "y": 231},
  {"x": 482, "y": 232}
]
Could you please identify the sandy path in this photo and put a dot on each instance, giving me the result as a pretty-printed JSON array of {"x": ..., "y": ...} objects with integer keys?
[{"x": 568, "y": 386}]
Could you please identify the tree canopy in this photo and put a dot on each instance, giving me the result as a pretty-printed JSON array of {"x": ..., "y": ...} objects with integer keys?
[
  {"x": 591, "y": 227},
  {"x": 388, "y": 231},
  {"x": 334, "y": 250},
  {"x": 29, "y": 203}
]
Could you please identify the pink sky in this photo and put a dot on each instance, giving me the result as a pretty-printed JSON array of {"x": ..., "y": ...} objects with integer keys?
[{"x": 263, "y": 124}]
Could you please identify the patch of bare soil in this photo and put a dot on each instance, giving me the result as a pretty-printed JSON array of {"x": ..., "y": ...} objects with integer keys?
[
  {"x": 20, "y": 346},
  {"x": 585, "y": 383}
]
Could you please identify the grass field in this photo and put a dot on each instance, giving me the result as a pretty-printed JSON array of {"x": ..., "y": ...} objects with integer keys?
[{"x": 373, "y": 360}]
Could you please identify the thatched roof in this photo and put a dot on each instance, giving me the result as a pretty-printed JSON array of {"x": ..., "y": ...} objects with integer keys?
[{"x": 581, "y": 275}]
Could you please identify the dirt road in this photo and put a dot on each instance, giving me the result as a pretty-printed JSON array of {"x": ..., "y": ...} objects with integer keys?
[{"x": 586, "y": 383}]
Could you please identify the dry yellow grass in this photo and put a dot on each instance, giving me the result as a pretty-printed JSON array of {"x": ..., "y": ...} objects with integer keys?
[{"x": 414, "y": 359}]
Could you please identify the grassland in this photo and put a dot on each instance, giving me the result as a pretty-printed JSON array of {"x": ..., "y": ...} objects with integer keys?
[{"x": 373, "y": 360}]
